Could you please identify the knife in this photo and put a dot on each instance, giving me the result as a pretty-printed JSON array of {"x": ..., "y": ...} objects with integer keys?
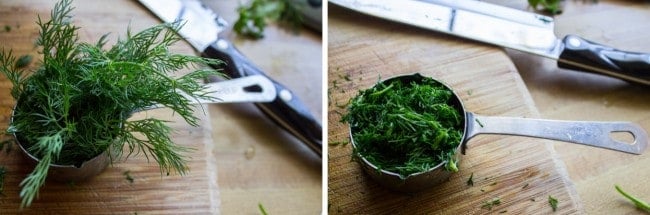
[
  {"x": 510, "y": 28},
  {"x": 202, "y": 28}
]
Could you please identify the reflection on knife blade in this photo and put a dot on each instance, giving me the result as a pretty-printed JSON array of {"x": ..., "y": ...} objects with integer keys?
[
  {"x": 510, "y": 28},
  {"x": 201, "y": 30}
]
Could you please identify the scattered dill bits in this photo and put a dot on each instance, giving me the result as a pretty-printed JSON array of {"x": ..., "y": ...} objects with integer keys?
[
  {"x": 345, "y": 77},
  {"x": 637, "y": 202},
  {"x": 338, "y": 143},
  {"x": 262, "y": 210},
  {"x": 491, "y": 203},
  {"x": 23, "y": 61},
  {"x": 503, "y": 211},
  {"x": 2, "y": 180},
  {"x": 253, "y": 18},
  {"x": 128, "y": 176},
  {"x": 479, "y": 122},
  {"x": 525, "y": 185},
  {"x": 470, "y": 181},
  {"x": 553, "y": 202},
  {"x": 551, "y": 6},
  {"x": 7, "y": 28},
  {"x": 405, "y": 134}
]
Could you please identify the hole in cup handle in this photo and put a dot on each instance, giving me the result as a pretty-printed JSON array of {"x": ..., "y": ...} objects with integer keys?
[{"x": 627, "y": 137}]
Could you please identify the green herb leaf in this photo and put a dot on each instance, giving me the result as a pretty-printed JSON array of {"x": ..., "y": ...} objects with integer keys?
[
  {"x": 491, "y": 203},
  {"x": 128, "y": 176},
  {"x": 253, "y": 19},
  {"x": 262, "y": 210},
  {"x": 23, "y": 61},
  {"x": 551, "y": 6},
  {"x": 338, "y": 143},
  {"x": 405, "y": 127},
  {"x": 553, "y": 202},
  {"x": 7, "y": 28},
  {"x": 479, "y": 122},
  {"x": 637, "y": 202},
  {"x": 470, "y": 181}
]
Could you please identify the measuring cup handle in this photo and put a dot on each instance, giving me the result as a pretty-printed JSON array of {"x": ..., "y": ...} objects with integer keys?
[{"x": 596, "y": 134}]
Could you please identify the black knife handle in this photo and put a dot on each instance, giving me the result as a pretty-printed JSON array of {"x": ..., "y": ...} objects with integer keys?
[
  {"x": 286, "y": 110},
  {"x": 584, "y": 55}
]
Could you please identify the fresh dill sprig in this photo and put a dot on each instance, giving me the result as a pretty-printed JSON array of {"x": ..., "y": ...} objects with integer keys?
[
  {"x": 406, "y": 127},
  {"x": 75, "y": 105}
]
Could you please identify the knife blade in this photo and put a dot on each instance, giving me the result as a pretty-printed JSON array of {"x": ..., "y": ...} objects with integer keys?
[
  {"x": 509, "y": 28},
  {"x": 202, "y": 28}
]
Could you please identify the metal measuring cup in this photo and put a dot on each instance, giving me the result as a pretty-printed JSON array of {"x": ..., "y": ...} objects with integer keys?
[{"x": 590, "y": 133}]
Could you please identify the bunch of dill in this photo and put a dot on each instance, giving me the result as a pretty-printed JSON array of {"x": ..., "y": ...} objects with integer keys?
[
  {"x": 75, "y": 106},
  {"x": 406, "y": 126}
]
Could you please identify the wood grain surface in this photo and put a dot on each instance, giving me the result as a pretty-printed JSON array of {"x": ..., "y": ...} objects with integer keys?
[
  {"x": 257, "y": 162},
  {"x": 570, "y": 95},
  {"x": 522, "y": 172}
]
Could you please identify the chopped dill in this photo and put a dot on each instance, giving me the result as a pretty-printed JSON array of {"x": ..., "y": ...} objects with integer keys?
[
  {"x": 551, "y": 6},
  {"x": 479, "y": 122},
  {"x": 489, "y": 204},
  {"x": 637, "y": 202},
  {"x": 7, "y": 28},
  {"x": 338, "y": 143},
  {"x": 406, "y": 126},
  {"x": 262, "y": 210},
  {"x": 253, "y": 18},
  {"x": 23, "y": 61},
  {"x": 470, "y": 181},
  {"x": 128, "y": 176},
  {"x": 553, "y": 202}
]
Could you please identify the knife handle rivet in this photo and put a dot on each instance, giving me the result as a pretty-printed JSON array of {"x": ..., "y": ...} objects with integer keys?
[
  {"x": 575, "y": 42},
  {"x": 285, "y": 95},
  {"x": 222, "y": 44}
]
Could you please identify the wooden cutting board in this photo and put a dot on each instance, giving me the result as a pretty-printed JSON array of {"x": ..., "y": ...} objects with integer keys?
[
  {"x": 109, "y": 193},
  {"x": 522, "y": 172}
]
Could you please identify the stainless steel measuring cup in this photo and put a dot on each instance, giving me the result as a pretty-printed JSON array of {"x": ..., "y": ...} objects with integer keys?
[
  {"x": 246, "y": 89},
  {"x": 588, "y": 133}
]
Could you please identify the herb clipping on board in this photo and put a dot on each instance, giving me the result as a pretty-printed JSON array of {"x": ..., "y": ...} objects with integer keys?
[
  {"x": 75, "y": 105},
  {"x": 405, "y": 128},
  {"x": 491, "y": 203},
  {"x": 637, "y": 202},
  {"x": 254, "y": 17},
  {"x": 553, "y": 202}
]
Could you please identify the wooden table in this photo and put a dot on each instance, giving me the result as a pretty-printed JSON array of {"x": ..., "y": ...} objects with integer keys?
[
  {"x": 242, "y": 158},
  {"x": 569, "y": 95}
]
